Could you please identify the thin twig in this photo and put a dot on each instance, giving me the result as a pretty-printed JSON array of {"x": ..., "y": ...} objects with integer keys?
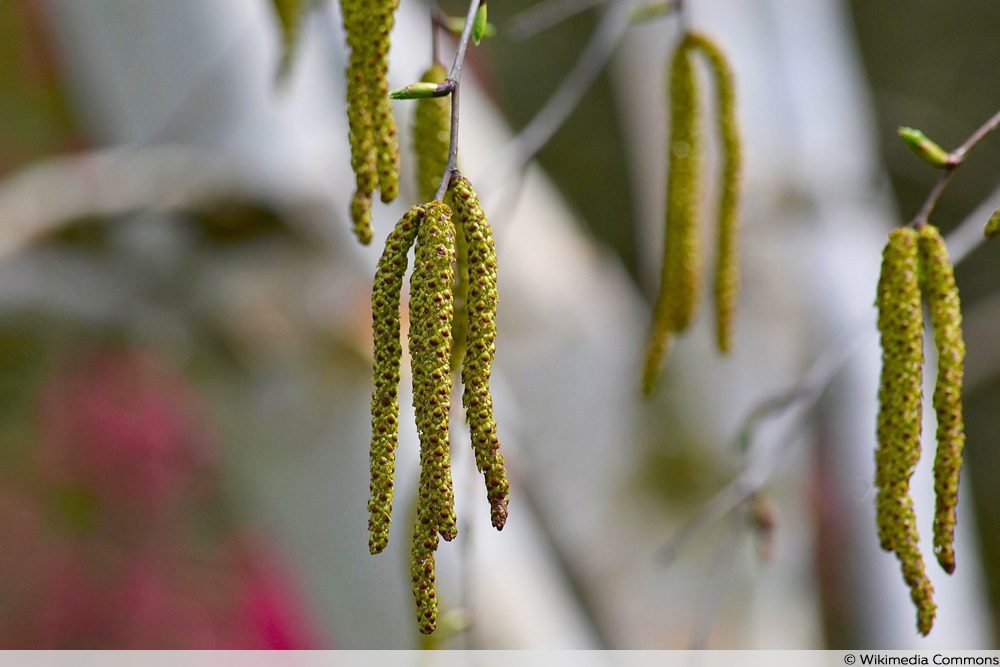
[
  {"x": 557, "y": 109},
  {"x": 723, "y": 571},
  {"x": 455, "y": 76},
  {"x": 955, "y": 159}
]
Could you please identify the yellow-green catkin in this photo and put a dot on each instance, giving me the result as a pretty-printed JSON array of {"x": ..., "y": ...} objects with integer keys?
[
  {"x": 900, "y": 323},
  {"x": 727, "y": 270},
  {"x": 388, "y": 353},
  {"x": 431, "y": 312},
  {"x": 383, "y": 123},
  {"x": 431, "y": 304},
  {"x": 480, "y": 347},
  {"x": 290, "y": 14},
  {"x": 680, "y": 274},
  {"x": 422, "y": 568},
  {"x": 431, "y": 127},
  {"x": 460, "y": 323},
  {"x": 941, "y": 293},
  {"x": 357, "y": 26},
  {"x": 993, "y": 225}
]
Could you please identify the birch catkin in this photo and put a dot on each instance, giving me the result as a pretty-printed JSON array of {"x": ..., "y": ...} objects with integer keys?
[
  {"x": 357, "y": 26},
  {"x": 430, "y": 351},
  {"x": 431, "y": 311},
  {"x": 371, "y": 126},
  {"x": 727, "y": 271},
  {"x": 681, "y": 269},
  {"x": 480, "y": 348},
  {"x": 388, "y": 354},
  {"x": 900, "y": 323},
  {"x": 431, "y": 127},
  {"x": 383, "y": 122},
  {"x": 941, "y": 294}
]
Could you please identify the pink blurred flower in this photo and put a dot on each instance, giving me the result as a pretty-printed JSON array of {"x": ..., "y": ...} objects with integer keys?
[{"x": 127, "y": 430}]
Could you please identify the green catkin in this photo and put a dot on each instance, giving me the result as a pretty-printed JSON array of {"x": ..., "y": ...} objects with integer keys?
[
  {"x": 460, "y": 323},
  {"x": 290, "y": 14},
  {"x": 383, "y": 122},
  {"x": 357, "y": 25},
  {"x": 480, "y": 347},
  {"x": 431, "y": 312},
  {"x": 431, "y": 127},
  {"x": 727, "y": 271},
  {"x": 388, "y": 353},
  {"x": 422, "y": 547},
  {"x": 681, "y": 269},
  {"x": 941, "y": 293},
  {"x": 900, "y": 323}
]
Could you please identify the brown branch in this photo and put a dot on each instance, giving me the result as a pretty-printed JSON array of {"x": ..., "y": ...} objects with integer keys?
[{"x": 955, "y": 159}]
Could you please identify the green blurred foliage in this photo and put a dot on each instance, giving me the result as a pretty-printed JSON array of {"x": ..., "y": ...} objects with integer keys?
[{"x": 34, "y": 117}]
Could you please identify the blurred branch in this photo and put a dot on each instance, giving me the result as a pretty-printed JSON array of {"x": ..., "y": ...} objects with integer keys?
[
  {"x": 41, "y": 198},
  {"x": 557, "y": 109},
  {"x": 547, "y": 14}
]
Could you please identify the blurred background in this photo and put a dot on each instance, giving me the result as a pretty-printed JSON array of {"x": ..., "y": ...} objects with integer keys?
[{"x": 185, "y": 344}]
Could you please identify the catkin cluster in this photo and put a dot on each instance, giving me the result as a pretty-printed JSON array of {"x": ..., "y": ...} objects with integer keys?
[
  {"x": 680, "y": 277},
  {"x": 434, "y": 229},
  {"x": 372, "y": 128},
  {"x": 916, "y": 268}
]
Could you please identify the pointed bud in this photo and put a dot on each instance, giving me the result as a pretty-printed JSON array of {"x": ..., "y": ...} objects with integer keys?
[
  {"x": 456, "y": 24},
  {"x": 993, "y": 226},
  {"x": 926, "y": 149},
  {"x": 422, "y": 90},
  {"x": 480, "y": 23}
]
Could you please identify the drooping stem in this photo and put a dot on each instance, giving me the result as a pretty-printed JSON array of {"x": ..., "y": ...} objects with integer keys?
[{"x": 955, "y": 159}]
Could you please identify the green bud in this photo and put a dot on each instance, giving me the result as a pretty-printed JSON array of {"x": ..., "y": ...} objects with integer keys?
[
  {"x": 479, "y": 24},
  {"x": 993, "y": 226},
  {"x": 456, "y": 24},
  {"x": 926, "y": 149},
  {"x": 421, "y": 90}
]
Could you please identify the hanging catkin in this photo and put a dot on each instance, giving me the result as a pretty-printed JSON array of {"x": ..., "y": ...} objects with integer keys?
[
  {"x": 431, "y": 126},
  {"x": 357, "y": 25},
  {"x": 430, "y": 352},
  {"x": 900, "y": 323},
  {"x": 941, "y": 294},
  {"x": 431, "y": 311},
  {"x": 727, "y": 270},
  {"x": 388, "y": 353},
  {"x": 480, "y": 347},
  {"x": 383, "y": 122},
  {"x": 681, "y": 269}
]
